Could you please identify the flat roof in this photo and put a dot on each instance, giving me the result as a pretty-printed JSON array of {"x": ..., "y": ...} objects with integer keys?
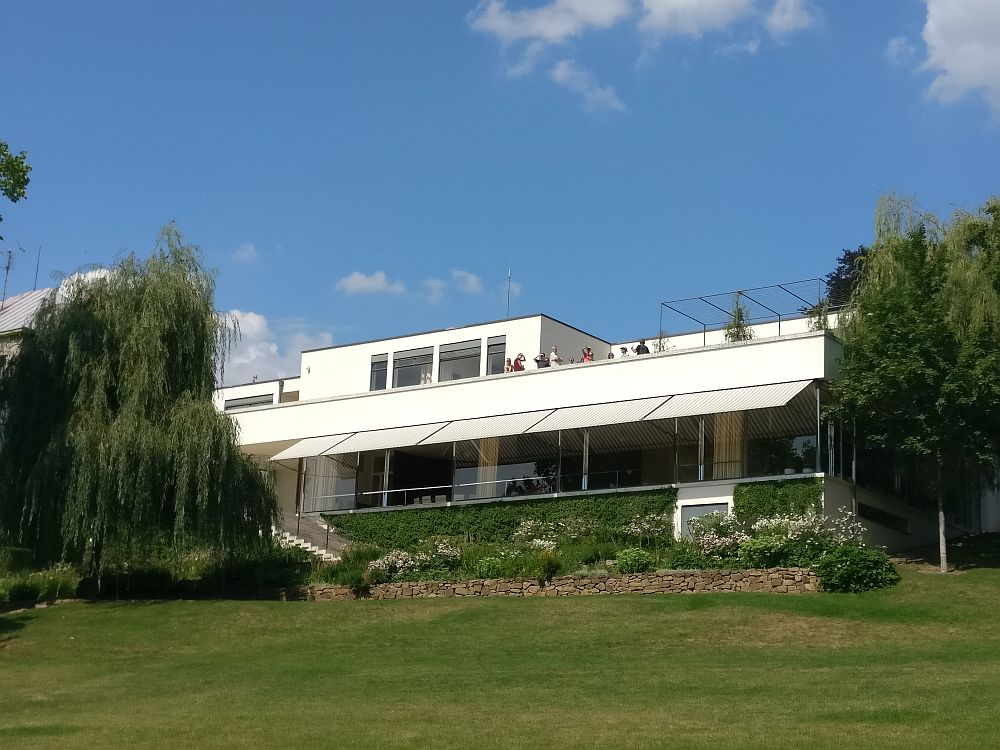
[{"x": 455, "y": 328}]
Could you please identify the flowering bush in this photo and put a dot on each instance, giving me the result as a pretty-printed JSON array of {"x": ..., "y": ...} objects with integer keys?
[
  {"x": 651, "y": 527},
  {"x": 575, "y": 528},
  {"x": 717, "y": 535},
  {"x": 530, "y": 529}
]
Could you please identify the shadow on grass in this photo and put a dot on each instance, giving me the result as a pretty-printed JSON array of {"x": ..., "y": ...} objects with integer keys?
[
  {"x": 964, "y": 553},
  {"x": 9, "y": 625}
]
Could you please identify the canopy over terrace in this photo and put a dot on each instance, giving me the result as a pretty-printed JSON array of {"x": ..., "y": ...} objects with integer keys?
[{"x": 750, "y": 431}]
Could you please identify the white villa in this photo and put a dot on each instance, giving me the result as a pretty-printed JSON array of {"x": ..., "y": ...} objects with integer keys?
[{"x": 431, "y": 419}]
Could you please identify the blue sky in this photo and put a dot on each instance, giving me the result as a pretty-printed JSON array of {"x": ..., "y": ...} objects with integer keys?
[{"x": 357, "y": 170}]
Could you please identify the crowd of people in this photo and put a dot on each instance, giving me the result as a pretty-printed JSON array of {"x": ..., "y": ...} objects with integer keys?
[{"x": 553, "y": 359}]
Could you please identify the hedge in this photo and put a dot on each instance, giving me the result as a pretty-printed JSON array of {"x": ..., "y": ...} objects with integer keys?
[
  {"x": 496, "y": 522},
  {"x": 760, "y": 499}
]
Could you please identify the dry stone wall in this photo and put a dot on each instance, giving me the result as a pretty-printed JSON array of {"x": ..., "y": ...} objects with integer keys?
[{"x": 771, "y": 580}]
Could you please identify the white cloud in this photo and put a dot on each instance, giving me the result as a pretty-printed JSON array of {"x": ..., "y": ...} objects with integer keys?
[
  {"x": 552, "y": 23},
  {"x": 245, "y": 253},
  {"x": 376, "y": 283},
  {"x": 435, "y": 290},
  {"x": 467, "y": 281},
  {"x": 267, "y": 354},
  {"x": 567, "y": 73},
  {"x": 749, "y": 47},
  {"x": 898, "y": 50},
  {"x": 691, "y": 17},
  {"x": 788, "y": 16},
  {"x": 963, "y": 48}
]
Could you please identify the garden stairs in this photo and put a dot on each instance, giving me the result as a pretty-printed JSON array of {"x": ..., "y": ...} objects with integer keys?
[{"x": 311, "y": 534}]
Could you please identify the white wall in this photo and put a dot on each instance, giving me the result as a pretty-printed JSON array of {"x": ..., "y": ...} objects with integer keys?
[
  {"x": 923, "y": 526},
  {"x": 777, "y": 360},
  {"x": 705, "y": 493},
  {"x": 345, "y": 370}
]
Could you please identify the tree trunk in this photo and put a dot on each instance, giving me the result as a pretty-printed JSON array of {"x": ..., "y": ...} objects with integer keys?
[{"x": 940, "y": 503}]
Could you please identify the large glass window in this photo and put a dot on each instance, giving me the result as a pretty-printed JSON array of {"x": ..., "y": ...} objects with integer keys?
[
  {"x": 506, "y": 466},
  {"x": 412, "y": 367},
  {"x": 458, "y": 361},
  {"x": 496, "y": 354},
  {"x": 380, "y": 367},
  {"x": 330, "y": 483}
]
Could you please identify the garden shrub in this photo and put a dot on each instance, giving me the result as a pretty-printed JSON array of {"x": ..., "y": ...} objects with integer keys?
[
  {"x": 685, "y": 555},
  {"x": 852, "y": 568},
  {"x": 634, "y": 560},
  {"x": 755, "y": 500},
  {"x": 14, "y": 559},
  {"x": 497, "y": 522},
  {"x": 24, "y": 591},
  {"x": 548, "y": 565},
  {"x": 490, "y": 567}
]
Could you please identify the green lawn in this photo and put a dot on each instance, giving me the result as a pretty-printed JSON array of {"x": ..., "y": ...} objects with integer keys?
[{"x": 916, "y": 666}]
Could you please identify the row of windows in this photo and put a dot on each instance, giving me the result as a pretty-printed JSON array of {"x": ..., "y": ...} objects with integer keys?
[{"x": 456, "y": 361}]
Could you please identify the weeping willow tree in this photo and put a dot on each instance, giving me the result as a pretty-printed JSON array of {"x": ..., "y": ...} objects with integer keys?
[
  {"x": 921, "y": 367},
  {"x": 109, "y": 440}
]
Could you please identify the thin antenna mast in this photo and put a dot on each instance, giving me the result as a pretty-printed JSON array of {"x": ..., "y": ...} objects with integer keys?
[
  {"x": 6, "y": 273},
  {"x": 38, "y": 259},
  {"x": 508, "y": 288}
]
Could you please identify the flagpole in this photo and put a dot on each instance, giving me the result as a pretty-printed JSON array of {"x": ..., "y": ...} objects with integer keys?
[{"x": 508, "y": 288}]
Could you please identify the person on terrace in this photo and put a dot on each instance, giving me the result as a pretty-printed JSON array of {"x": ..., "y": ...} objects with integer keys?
[
  {"x": 641, "y": 348},
  {"x": 541, "y": 360},
  {"x": 508, "y": 366},
  {"x": 588, "y": 354},
  {"x": 554, "y": 359},
  {"x": 519, "y": 362}
]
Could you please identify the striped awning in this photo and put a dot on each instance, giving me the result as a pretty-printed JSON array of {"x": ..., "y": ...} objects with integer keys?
[
  {"x": 484, "y": 427},
  {"x": 392, "y": 437},
  {"x": 597, "y": 415},
  {"x": 314, "y": 446},
  {"x": 730, "y": 399}
]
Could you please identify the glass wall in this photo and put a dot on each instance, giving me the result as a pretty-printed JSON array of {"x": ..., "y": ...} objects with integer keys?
[
  {"x": 412, "y": 367},
  {"x": 459, "y": 361},
  {"x": 725, "y": 446},
  {"x": 506, "y": 466},
  {"x": 330, "y": 483}
]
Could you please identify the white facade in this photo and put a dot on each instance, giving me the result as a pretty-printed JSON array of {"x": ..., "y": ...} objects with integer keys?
[{"x": 431, "y": 418}]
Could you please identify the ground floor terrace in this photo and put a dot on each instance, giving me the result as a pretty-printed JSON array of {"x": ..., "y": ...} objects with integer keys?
[{"x": 595, "y": 448}]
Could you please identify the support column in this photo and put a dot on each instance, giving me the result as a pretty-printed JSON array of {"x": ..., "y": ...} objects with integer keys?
[
  {"x": 584, "y": 482},
  {"x": 701, "y": 448},
  {"x": 818, "y": 461}
]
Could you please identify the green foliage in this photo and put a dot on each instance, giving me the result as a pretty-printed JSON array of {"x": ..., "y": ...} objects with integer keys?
[
  {"x": 685, "y": 555},
  {"x": 634, "y": 560},
  {"x": 490, "y": 567},
  {"x": 844, "y": 279},
  {"x": 496, "y": 522},
  {"x": 755, "y": 500},
  {"x": 921, "y": 368},
  {"x": 58, "y": 582},
  {"x": 14, "y": 559},
  {"x": 738, "y": 327},
  {"x": 851, "y": 568},
  {"x": 549, "y": 565},
  {"x": 110, "y": 440},
  {"x": 14, "y": 170}
]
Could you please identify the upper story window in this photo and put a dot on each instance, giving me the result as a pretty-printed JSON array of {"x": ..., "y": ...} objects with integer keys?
[
  {"x": 496, "y": 353},
  {"x": 460, "y": 360},
  {"x": 412, "y": 367},
  {"x": 380, "y": 367},
  {"x": 264, "y": 399}
]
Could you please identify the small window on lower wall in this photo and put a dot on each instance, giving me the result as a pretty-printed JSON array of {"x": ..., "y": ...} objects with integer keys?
[
  {"x": 883, "y": 518},
  {"x": 689, "y": 512}
]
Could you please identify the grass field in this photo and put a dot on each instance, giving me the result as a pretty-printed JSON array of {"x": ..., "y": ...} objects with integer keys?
[{"x": 912, "y": 667}]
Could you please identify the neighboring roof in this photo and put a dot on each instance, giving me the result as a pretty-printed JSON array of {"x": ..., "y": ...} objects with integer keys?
[{"x": 17, "y": 313}]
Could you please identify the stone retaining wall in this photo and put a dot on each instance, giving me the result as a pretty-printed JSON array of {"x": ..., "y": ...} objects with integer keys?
[{"x": 774, "y": 580}]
